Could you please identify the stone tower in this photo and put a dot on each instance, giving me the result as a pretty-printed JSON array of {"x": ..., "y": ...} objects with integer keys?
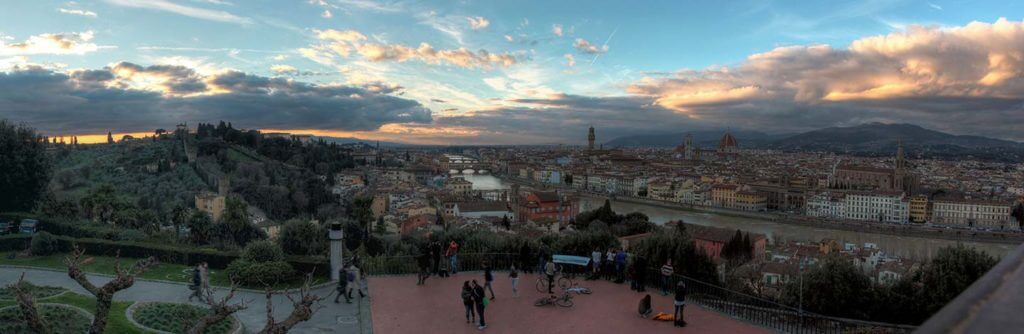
[
  {"x": 900, "y": 170},
  {"x": 688, "y": 147},
  {"x": 590, "y": 139}
]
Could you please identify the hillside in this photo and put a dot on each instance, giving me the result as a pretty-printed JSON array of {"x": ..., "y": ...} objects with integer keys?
[{"x": 873, "y": 136}]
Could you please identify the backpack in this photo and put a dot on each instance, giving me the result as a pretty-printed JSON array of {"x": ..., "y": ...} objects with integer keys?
[
  {"x": 351, "y": 276},
  {"x": 467, "y": 296}
]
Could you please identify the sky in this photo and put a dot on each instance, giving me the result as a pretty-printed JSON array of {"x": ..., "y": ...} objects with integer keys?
[{"x": 511, "y": 72}]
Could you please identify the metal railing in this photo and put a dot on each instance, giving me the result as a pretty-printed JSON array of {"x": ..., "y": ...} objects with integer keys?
[{"x": 752, "y": 309}]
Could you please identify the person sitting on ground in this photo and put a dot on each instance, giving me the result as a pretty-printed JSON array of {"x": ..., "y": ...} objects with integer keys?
[{"x": 645, "y": 306}]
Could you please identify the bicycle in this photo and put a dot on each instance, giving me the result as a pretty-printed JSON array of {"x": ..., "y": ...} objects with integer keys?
[
  {"x": 563, "y": 281},
  {"x": 565, "y": 300}
]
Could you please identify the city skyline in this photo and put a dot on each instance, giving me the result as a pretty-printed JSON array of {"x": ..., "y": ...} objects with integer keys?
[{"x": 486, "y": 73}]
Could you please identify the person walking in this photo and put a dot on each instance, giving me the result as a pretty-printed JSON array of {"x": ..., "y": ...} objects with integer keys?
[
  {"x": 197, "y": 283},
  {"x": 549, "y": 270},
  {"x": 480, "y": 301},
  {"x": 680, "y": 303},
  {"x": 513, "y": 275},
  {"x": 467, "y": 301},
  {"x": 666, "y": 276},
  {"x": 353, "y": 282},
  {"x": 453, "y": 257},
  {"x": 489, "y": 278},
  {"x": 342, "y": 285}
]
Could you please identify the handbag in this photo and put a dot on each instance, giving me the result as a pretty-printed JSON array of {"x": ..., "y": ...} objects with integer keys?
[{"x": 487, "y": 301}]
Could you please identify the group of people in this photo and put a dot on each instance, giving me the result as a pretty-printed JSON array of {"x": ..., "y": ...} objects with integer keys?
[
  {"x": 200, "y": 281},
  {"x": 434, "y": 260},
  {"x": 350, "y": 280},
  {"x": 618, "y": 265}
]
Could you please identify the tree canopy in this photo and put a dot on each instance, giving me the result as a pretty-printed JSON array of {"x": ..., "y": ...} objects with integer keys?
[{"x": 24, "y": 167}]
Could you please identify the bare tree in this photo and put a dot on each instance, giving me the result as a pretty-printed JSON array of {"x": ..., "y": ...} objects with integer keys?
[
  {"x": 27, "y": 304},
  {"x": 123, "y": 279},
  {"x": 219, "y": 309},
  {"x": 303, "y": 310}
]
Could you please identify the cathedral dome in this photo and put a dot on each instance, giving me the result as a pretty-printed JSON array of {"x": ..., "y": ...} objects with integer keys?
[{"x": 728, "y": 141}]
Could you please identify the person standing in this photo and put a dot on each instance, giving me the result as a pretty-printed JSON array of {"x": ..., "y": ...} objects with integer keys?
[
  {"x": 480, "y": 301},
  {"x": 640, "y": 265},
  {"x": 620, "y": 265},
  {"x": 342, "y": 285},
  {"x": 680, "y": 303},
  {"x": 609, "y": 263},
  {"x": 435, "y": 257},
  {"x": 666, "y": 276},
  {"x": 488, "y": 278},
  {"x": 205, "y": 275},
  {"x": 197, "y": 283},
  {"x": 467, "y": 301},
  {"x": 513, "y": 275},
  {"x": 453, "y": 257},
  {"x": 549, "y": 270},
  {"x": 423, "y": 261},
  {"x": 595, "y": 260}
]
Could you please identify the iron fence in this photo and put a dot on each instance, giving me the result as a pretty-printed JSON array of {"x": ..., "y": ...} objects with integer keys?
[{"x": 749, "y": 308}]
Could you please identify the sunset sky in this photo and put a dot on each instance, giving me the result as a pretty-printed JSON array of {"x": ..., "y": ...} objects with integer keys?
[{"x": 511, "y": 72}]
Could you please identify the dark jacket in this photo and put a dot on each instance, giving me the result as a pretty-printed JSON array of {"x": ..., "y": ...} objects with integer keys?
[
  {"x": 479, "y": 295},
  {"x": 467, "y": 296},
  {"x": 488, "y": 275},
  {"x": 197, "y": 277},
  {"x": 680, "y": 293}
]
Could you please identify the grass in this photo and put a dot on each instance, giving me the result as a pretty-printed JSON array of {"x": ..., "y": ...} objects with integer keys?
[
  {"x": 117, "y": 322},
  {"x": 173, "y": 318},
  {"x": 7, "y": 292},
  {"x": 164, "y": 271}
]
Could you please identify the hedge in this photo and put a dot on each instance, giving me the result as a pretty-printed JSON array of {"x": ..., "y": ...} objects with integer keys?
[{"x": 164, "y": 253}]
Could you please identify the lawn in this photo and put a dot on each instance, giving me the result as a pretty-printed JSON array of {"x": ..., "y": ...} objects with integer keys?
[
  {"x": 105, "y": 265},
  {"x": 164, "y": 271},
  {"x": 116, "y": 323}
]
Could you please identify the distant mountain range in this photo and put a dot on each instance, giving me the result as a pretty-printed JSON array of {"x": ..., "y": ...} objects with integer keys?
[{"x": 866, "y": 139}]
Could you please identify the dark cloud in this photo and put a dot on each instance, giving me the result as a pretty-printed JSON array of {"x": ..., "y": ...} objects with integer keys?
[{"x": 110, "y": 99}]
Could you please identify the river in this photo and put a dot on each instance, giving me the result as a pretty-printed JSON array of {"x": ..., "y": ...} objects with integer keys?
[
  {"x": 903, "y": 246},
  {"x": 907, "y": 247}
]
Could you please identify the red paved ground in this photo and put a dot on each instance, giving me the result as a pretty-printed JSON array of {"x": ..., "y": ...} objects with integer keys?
[{"x": 400, "y": 306}]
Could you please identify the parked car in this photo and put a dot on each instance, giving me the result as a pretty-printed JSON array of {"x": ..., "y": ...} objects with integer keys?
[
  {"x": 28, "y": 226},
  {"x": 5, "y": 227}
]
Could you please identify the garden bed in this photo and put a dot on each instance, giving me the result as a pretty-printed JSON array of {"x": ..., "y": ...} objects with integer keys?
[
  {"x": 175, "y": 318},
  {"x": 60, "y": 318},
  {"x": 38, "y": 292}
]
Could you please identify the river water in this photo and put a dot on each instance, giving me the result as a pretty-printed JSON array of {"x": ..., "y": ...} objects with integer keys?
[{"x": 907, "y": 247}]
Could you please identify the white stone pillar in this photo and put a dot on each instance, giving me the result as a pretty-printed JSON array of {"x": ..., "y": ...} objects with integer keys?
[{"x": 337, "y": 240}]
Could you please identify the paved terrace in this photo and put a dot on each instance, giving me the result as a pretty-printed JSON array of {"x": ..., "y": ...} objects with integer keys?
[
  {"x": 332, "y": 318},
  {"x": 400, "y": 306}
]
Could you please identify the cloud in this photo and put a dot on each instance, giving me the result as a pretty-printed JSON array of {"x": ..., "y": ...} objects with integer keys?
[
  {"x": 326, "y": 14},
  {"x": 65, "y": 43},
  {"x": 477, "y": 23},
  {"x": 129, "y": 97},
  {"x": 509, "y": 38},
  {"x": 934, "y": 6},
  {"x": 284, "y": 69},
  {"x": 346, "y": 43},
  {"x": 584, "y": 46},
  {"x": 77, "y": 12},
  {"x": 961, "y": 79},
  {"x": 557, "y": 30},
  {"x": 570, "y": 60},
  {"x": 194, "y": 12}
]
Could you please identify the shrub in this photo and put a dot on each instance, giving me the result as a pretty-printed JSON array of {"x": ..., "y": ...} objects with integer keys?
[
  {"x": 44, "y": 243},
  {"x": 174, "y": 317},
  {"x": 250, "y": 273},
  {"x": 302, "y": 238},
  {"x": 263, "y": 251}
]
